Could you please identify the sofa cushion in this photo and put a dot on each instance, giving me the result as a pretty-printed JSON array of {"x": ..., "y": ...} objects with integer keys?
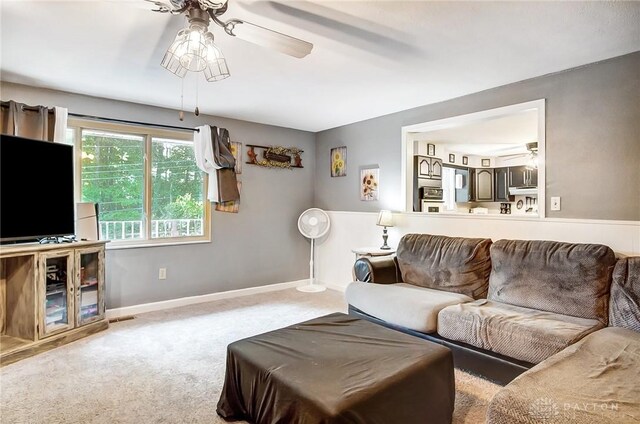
[
  {"x": 565, "y": 278},
  {"x": 402, "y": 304},
  {"x": 592, "y": 381},
  {"x": 455, "y": 264},
  {"x": 521, "y": 333},
  {"x": 624, "y": 304}
]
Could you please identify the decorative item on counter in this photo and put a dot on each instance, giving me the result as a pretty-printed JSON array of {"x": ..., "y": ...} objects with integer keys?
[
  {"x": 385, "y": 219},
  {"x": 479, "y": 211},
  {"x": 275, "y": 156},
  {"x": 369, "y": 182},
  {"x": 236, "y": 151},
  {"x": 465, "y": 160},
  {"x": 339, "y": 162},
  {"x": 519, "y": 204},
  {"x": 452, "y": 158},
  {"x": 486, "y": 163},
  {"x": 505, "y": 208},
  {"x": 431, "y": 149}
]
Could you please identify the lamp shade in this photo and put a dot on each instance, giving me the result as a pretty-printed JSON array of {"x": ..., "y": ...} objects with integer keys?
[
  {"x": 171, "y": 60},
  {"x": 216, "y": 68},
  {"x": 385, "y": 219}
]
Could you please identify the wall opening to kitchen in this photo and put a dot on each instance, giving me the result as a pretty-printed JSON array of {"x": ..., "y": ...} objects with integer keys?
[{"x": 484, "y": 163}]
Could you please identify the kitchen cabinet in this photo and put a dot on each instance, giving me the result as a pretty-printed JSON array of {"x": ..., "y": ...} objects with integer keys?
[
  {"x": 428, "y": 167},
  {"x": 465, "y": 192},
  {"x": 484, "y": 185},
  {"x": 533, "y": 177},
  {"x": 427, "y": 172},
  {"x": 521, "y": 176},
  {"x": 501, "y": 185}
]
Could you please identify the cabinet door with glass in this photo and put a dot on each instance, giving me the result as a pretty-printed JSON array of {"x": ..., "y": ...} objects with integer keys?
[
  {"x": 90, "y": 305},
  {"x": 56, "y": 288}
]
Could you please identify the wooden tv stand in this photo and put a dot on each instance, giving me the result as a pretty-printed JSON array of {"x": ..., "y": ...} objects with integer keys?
[{"x": 50, "y": 295}]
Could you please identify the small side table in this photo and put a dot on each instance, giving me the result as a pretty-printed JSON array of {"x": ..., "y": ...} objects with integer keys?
[{"x": 371, "y": 251}]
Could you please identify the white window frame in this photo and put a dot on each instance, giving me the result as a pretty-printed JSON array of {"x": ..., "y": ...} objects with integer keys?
[{"x": 149, "y": 133}]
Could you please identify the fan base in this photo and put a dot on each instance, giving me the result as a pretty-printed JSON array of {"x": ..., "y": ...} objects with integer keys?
[{"x": 311, "y": 288}]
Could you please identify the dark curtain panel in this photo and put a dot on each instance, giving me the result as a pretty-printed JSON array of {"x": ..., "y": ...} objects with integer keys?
[
  {"x": 35, "y": 122},
  {"x": 227, "y": 181}
]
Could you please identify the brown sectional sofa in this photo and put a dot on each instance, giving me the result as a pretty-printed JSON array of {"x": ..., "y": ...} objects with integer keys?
[
  {"x": 596, "y": 380},
  {"x": 518, "y": 302},
  {"x": 543, "y": 296},
  {"x": 427, "y": 274}
]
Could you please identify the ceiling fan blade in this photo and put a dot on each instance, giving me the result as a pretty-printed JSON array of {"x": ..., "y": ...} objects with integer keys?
[{"x": 268, "y": 38}]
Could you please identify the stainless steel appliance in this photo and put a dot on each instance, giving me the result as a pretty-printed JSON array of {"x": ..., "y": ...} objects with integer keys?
[{"x": 431, "y": 193}]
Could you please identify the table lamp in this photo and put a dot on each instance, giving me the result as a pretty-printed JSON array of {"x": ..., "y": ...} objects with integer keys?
[{"x": 385, "y": 219}]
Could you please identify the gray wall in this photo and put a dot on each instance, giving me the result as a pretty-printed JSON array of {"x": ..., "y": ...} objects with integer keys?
[
  {"x": 592, "y": 141},
  {"x": 260, "y": 245}
]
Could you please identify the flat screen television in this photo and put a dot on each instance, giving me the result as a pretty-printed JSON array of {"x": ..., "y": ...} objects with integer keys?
[{"x": 36, "y": 189}]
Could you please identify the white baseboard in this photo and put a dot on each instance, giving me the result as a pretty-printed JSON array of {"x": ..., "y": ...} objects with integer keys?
[
  {"x": 192, "y": 300},
  {"x": 334, "y": 286}
]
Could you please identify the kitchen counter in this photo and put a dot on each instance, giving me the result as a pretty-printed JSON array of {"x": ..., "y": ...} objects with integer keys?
[{"x": 450, "y": 214}]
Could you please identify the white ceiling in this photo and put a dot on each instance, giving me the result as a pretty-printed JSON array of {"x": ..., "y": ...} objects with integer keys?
[
  {"x": 370, "y": 57},
  {"x": 499, "y": 136}
]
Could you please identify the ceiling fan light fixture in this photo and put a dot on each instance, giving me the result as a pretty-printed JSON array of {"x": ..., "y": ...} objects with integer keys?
[
  {"x": 216, "y": 69},
  {"x": 532, "y": 163},
  {"x": 171, "y": 59},
  {"x": 193, "y": 50}
]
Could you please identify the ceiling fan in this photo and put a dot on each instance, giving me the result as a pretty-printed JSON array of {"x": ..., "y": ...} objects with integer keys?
[
  {"x": 194, "y": 50},
  {"x": 532, "y": 155}
]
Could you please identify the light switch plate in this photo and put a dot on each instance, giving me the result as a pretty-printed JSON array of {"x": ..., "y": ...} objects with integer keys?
[
  {"x": 555, "y": 203},
  {"x": 162, "y": 274}
]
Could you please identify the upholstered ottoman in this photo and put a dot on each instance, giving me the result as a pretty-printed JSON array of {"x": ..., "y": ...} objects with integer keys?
[{"x": 338, "y": 369}]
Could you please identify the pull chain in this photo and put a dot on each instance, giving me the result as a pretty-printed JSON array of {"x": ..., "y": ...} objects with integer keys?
[
  {"x": 181, "y": 114},
  {"x": 197, "y": 111}
]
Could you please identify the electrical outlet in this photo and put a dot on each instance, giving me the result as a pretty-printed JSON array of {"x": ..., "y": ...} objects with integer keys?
[
  {"x": 162, "y": 274},
  {"x": 555, "y": 203}
]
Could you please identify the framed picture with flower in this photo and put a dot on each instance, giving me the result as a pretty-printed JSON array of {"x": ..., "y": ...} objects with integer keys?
[
  {"x": 236, "y": 151},
  {"x": 369, "y": 183},
  {"x": 339, "y": 161}
]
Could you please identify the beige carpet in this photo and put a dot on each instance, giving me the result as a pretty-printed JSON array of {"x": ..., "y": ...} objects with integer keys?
[{"x": 168, "y": 366}]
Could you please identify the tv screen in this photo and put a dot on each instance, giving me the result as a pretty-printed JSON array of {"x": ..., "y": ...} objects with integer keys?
[{"x": 36, "y": 189}]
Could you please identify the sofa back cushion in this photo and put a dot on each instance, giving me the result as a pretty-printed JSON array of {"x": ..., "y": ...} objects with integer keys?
[
  {"x": 565, "y": 278},
  {"x": 624, "y": 303},
  {"x": 454, "y": 264}
]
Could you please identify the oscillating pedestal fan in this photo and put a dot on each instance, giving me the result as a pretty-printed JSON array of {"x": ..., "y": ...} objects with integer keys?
[{"x": 313, "y": 223}]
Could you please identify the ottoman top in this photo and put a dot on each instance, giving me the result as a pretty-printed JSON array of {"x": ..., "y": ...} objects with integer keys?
[{"x": 337, "y": 361}]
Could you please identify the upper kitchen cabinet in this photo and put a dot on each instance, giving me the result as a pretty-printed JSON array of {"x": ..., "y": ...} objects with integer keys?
[
  {"x": 501, "y": 185},
  {"x": 522, "y": 176},
  {"x": 484, "y": 185},
  {"x": 428, "y": 167}
]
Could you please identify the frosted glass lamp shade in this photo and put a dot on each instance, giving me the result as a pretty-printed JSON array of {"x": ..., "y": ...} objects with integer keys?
[{"x": 385, "y": 219}]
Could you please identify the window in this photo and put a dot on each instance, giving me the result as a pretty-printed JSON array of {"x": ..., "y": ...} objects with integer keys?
[{"x": 146, "y": 183}]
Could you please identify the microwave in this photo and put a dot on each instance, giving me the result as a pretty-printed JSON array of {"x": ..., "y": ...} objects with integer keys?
[{"x": 431, "y": 193}]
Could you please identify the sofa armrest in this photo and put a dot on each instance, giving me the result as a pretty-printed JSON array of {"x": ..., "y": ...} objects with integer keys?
[{"x": 377, "y": 270}]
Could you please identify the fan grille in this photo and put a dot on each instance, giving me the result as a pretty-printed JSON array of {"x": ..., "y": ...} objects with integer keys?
[{"x": 313, "y": 223}]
